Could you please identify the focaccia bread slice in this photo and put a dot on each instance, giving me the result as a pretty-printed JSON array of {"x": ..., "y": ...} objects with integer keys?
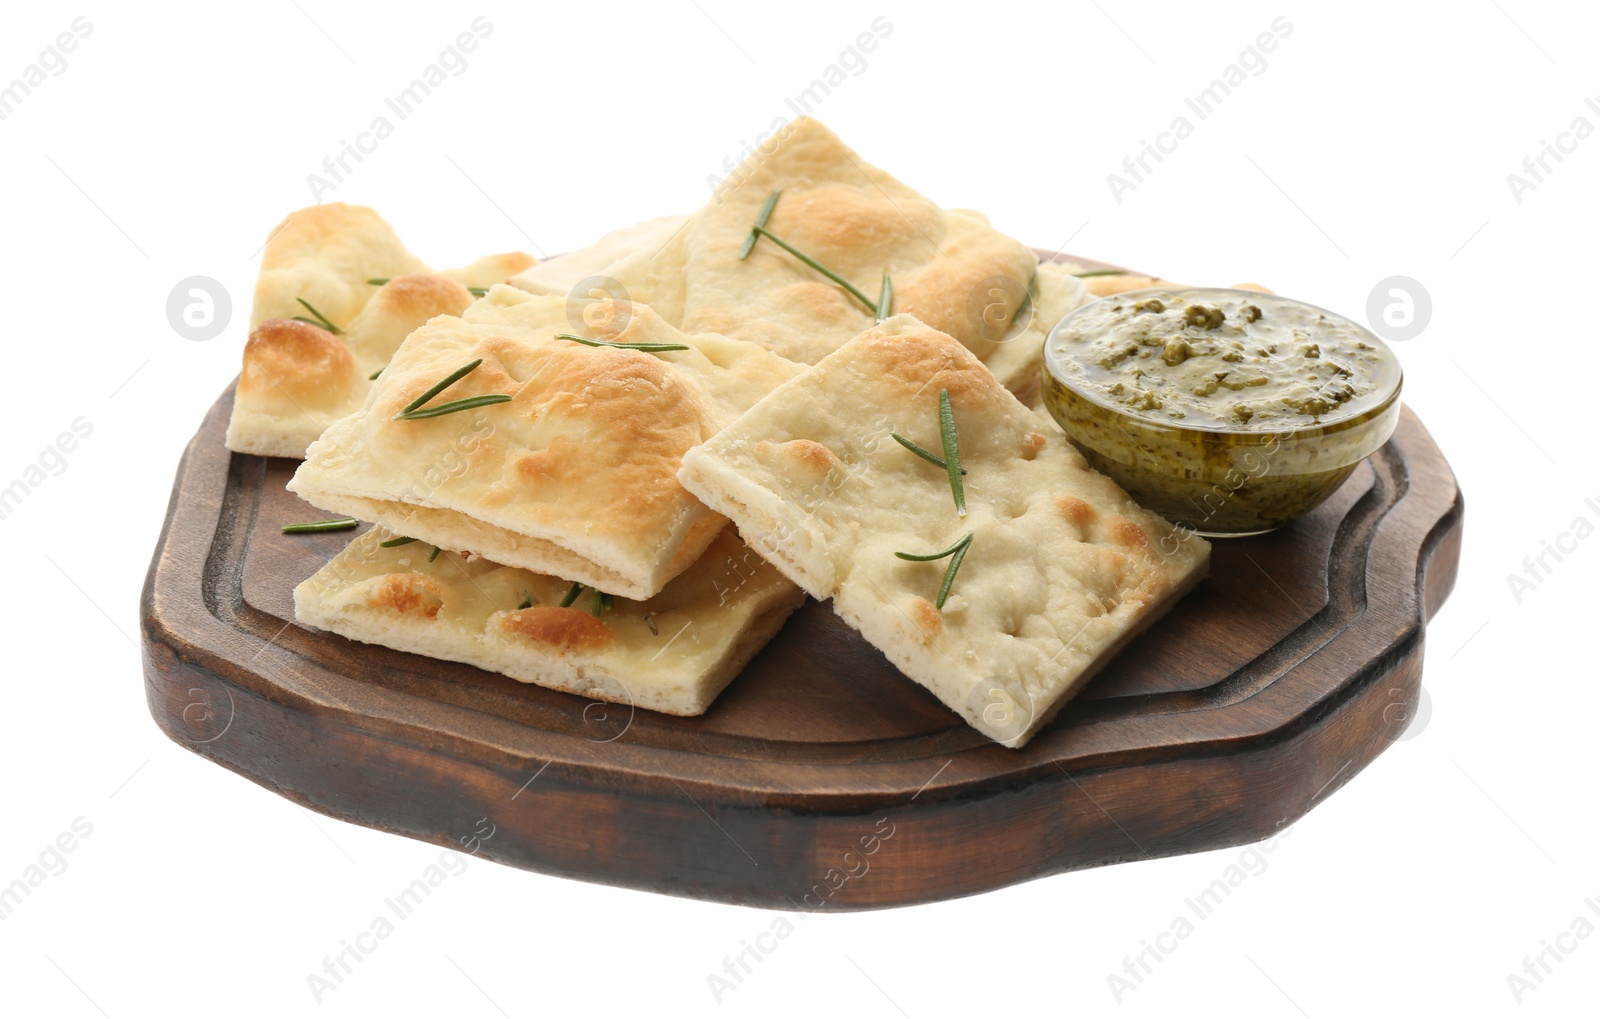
[
  {"x": 298, "y": 374},
  {"x": 1063, "y": 567},
  {"x": 559, "y": 274},
  {"x": 857, "y": 221},
  {"x": 673, "y": 653},
  {"x": 576, "y": 476}
]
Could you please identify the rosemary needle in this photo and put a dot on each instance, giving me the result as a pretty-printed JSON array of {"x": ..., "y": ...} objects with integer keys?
[
  {"x": 314, "y": 526},
  {"x": 449, "y": 380},
  {"x": 1027, "y": 298},
  {"x": 572, "y": 595},
  {"x": 434, "y": 554},
  {"x": 951, "y": 570},
  {"x": 807, "y": 259},
  {"x": 761, "y": 221},
  {"x": 474, "y": 291},
  {"x": 885, "y": 297},
  {"x": 601, "y": 602},
  {"x": 956, "y": 552},
  {"x": 374, "y": 376},
  {"x": 395, "y": 542},
  {"x": 319, "y": 320},
  {"x": 952, "y": 454},
  {"x": 650, "y": 348},
  {"x": 934, "y": 557},
  {"x": 442, "y": 409},
  {"x": 527, "y": 600},
  {"x": 931, "y": 458},
  {"x": 1100, "y": 272}
]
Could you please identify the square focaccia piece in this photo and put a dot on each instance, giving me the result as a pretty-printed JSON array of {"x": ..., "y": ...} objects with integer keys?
[
  {"x": 337, "y": 293},
  {"x": 672, "y": 653},
  {"x": 1062, "y": 566},
  {"x": 575, "y": 476},
  {"x": 949, "y": 268}
]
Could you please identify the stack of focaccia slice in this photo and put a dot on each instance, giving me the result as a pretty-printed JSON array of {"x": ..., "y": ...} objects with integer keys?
[
  {"x": 566, "y": 491},
  {"x": 618, "y": 475},
  {"x": 1054, "y": 566}
]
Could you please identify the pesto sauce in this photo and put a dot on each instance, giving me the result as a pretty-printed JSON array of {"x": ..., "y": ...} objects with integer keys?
[{"x": 1229, "y": 359}]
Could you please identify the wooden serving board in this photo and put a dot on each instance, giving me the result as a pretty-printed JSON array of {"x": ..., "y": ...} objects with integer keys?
[{"x": 822, "y": 777}]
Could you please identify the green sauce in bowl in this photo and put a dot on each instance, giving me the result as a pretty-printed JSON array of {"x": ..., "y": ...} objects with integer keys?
[{"x": 1228, "y": 411}]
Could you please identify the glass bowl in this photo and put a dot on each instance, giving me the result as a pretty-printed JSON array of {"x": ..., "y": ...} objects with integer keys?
[{"x": 1186, "y": 461}]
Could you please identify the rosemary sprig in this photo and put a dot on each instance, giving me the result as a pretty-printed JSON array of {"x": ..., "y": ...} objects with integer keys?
[
  {"x": 527, "y": 600},
  {"x": 571, "y": 595},
  {"x": 807, "y": 259},
  {"x": 650, "y": 348},
  {"x": 395, "y": 542},
  {"x": 956, "y": 552},
  {"x": 319, "y": 320},
  {"x": 885, "y": 298},
  {"x": 1100, "y": 272},
  {"x": 1027, "y": 298},
  {"x": 315, "y": 526},
  {"x": 442, "y": 409},
  {"x": 952, "y": 454},
  {"x": 434, "y": 554},
  {"x": 761, "y": 221},
  {"x": 930, "y": 457},
  {"x": 474, "y": 291},
  {"x": 449, "y": 380},
  {"x": 414, "y": 410}
]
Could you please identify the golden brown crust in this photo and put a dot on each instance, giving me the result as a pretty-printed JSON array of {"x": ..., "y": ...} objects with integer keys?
[
  {"x": 1077, "y": 510},
  {"x": 559, "y": 629},
  {"x": 408, "y": 594},
  {"x": 290, "y": 366}
]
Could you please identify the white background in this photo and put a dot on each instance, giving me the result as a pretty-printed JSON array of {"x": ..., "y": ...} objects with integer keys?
[{"x": 1376, "y": 142}]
